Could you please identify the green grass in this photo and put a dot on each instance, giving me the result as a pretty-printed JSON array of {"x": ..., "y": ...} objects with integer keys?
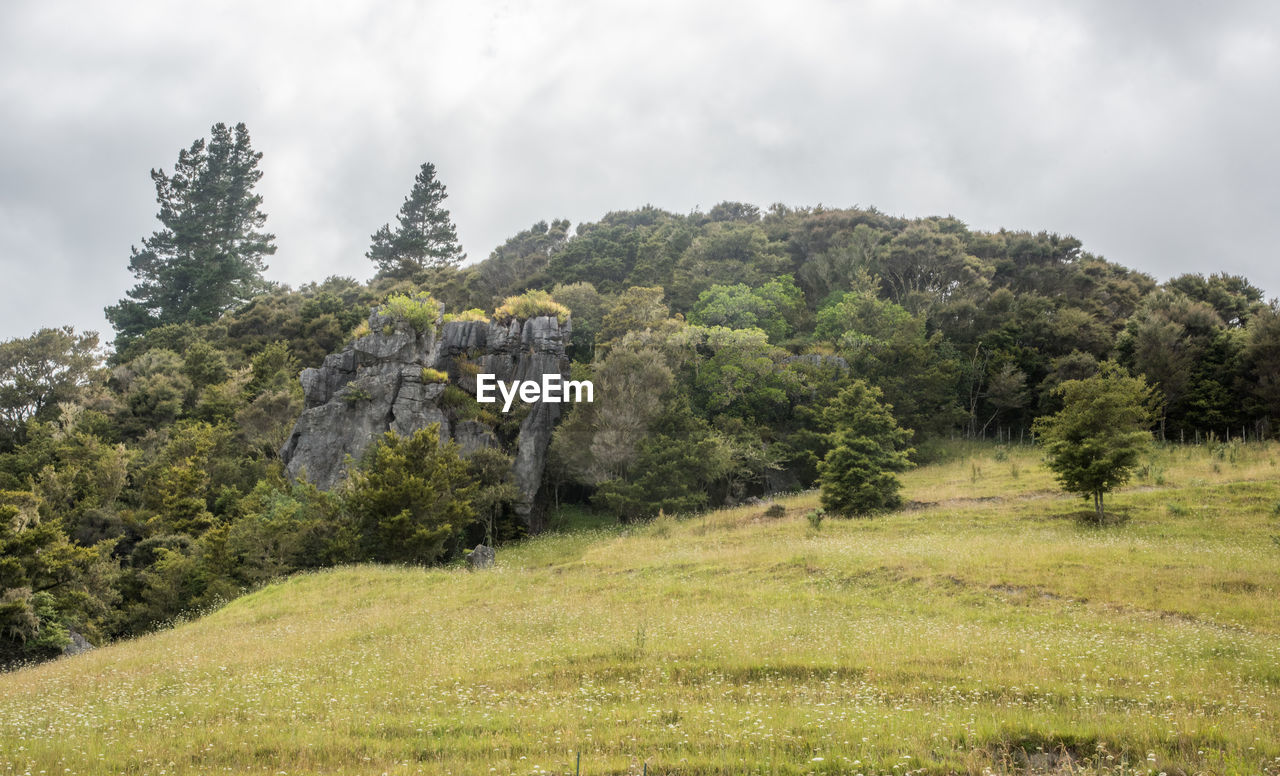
[{"x": 985, "y": 626}]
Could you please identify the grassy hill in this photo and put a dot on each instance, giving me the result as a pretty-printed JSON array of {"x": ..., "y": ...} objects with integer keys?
[{"x": 982, "y": 627}]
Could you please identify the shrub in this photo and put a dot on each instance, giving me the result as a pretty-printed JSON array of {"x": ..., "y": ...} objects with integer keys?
[
  {"x": 530, "y": 304},
  {"x": 430, "y": 375},
  {"x": 411, "y": 498},
  {"x": 775, "y": 511},
  {"x": 814, "y": 517},
  {"x": 460, "y": 404},
  {"x": 474, "y": 314},
  {"x": 355, "y": 394},
  {"x": 419, "y": 310}
]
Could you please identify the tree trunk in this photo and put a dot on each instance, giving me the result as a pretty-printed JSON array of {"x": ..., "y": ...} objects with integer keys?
[{"x": 1097, "y": 504}]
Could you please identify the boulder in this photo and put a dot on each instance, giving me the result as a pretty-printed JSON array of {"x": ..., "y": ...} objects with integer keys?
[
  {"x": 77, "y": 644},
  {"x": 481, "y": 557}
]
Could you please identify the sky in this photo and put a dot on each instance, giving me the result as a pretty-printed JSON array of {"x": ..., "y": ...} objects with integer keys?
[{"x": 1147, "y": 130}]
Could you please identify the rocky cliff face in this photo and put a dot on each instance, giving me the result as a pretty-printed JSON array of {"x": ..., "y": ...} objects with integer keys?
[{"x": 377, "y": 384}]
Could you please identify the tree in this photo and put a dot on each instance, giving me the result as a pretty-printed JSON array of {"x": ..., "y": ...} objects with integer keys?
[
  {"x": 636, "y": 309},
  {"x": 495, "y": 494},
  {"x": 1094, "y": 442},
  {"x": 892, "y": 349},
  {"x": 47, "y": 584},
  {"x": 1262, "y": 364},
  {"x": 867, "y": 449},
  {"x": 425, "y": 238},
  {"x": 38, "y": 372},
  {"x": 208, "y": 257},
  {"x": 775, "y": 307},
  {"x": 411, "y": 497}
]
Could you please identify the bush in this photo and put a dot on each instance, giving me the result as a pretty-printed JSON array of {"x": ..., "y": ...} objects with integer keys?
[
  {"x": 419, "y": 311},
  {"x": 430, "y": 375},
  {"x": 460, "y": 404},
  {"x": 411, "y": 499},
  {"x": 530, "y": 304},
  {"x": 354, "y": 395},
  {"x": 775, "y": 511},
  {"x": 814, "y": 517},
  {"x": 474, "y": 314}
]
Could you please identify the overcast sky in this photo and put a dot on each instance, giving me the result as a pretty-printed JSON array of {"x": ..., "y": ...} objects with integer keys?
[{"x": 1149, "y": 133}]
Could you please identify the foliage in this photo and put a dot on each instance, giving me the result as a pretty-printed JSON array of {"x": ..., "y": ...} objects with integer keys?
[
  {"x": 777, "y": 307},
  {"x": 672, "y": 474},
  {"x": 47, "y": 583},
  {"x": 1096, "y": 441},
  {"x": 530, "y": 304},
  {"x": 410, "y": 499},
  {"x": 637, "y": 309},
  {"x": 867, "y": 449},
  {"x": 38, "y": 372},
  {"x": 519, "y": 263},
  {"x": 208, "y": 257},
  {"x": 424, "y": 238},
  {"x": 495, "y": 495},
  {"x": 474, "y": 314},
  {"x": 430, "y": 375},
  {"x": 420, "y": 310}
]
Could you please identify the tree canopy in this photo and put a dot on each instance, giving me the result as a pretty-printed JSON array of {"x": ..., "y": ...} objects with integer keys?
[
  {"x": 1096, "y": 440},
  {"x": 424, "y": 238},
  {"x": 208, "y": 255}
]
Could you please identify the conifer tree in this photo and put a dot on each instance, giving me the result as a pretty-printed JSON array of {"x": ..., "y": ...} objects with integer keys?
[
  {"x": 858, "y": 475},
  {"x": 208, "y": 257},
  {"x": 425, "y": 237}
]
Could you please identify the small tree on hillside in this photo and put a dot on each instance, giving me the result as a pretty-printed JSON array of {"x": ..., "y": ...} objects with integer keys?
[
  {"x": 411, "y": 497},
  {"x": 425, "y": 237},
  {"x": 858, "y": 475},
  {"x": 1094, "y": 443}
]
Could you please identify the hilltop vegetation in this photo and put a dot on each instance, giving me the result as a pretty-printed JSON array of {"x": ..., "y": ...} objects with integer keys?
[
  {"x": 983, "y": 627},
  {"x": 717, "y": 343}
]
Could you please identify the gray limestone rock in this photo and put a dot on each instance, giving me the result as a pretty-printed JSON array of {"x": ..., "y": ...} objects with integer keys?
[
  {"x": 376, "y": 384},
  {"x": 77, "y": 644},
  {"x": 481, "y": 557}
]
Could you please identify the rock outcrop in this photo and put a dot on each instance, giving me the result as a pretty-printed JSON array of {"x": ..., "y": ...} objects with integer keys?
[{"x": 388, "y": 381}]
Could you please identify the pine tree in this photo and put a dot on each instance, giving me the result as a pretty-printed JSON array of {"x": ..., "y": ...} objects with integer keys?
[
  {"x": 867, "y": 449},
  {"x": 425, "y": 238},
  {"x": 208, "y": 257}
]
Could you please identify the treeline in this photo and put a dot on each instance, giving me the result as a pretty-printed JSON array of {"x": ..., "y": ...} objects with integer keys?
[{"x": 143, "y": 482}]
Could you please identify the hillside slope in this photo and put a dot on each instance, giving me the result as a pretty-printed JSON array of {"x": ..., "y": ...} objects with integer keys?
[{"x": 984, "y": 626}]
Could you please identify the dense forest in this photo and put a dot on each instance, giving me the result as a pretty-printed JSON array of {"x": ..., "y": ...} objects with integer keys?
[{"x": 142, "y": 481}]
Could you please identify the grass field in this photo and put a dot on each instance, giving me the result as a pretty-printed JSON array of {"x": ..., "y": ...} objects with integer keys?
[{"x": 984, "y": 627}]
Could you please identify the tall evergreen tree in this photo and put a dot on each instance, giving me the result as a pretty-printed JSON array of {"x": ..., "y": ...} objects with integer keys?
[
  {"x": 208, "y": 257},
  {"x": 868, "y": 448},
  {"x": 425, "y": 238}
]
